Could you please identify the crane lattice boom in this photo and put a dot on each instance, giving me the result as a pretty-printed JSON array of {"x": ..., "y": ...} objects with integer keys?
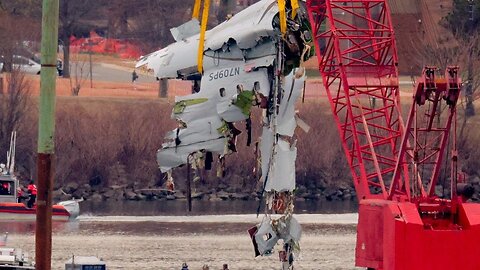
[{"x": 403, "y": 223}]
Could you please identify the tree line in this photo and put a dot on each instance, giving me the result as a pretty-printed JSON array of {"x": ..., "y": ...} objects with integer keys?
[{"x": 146, "y": 22}]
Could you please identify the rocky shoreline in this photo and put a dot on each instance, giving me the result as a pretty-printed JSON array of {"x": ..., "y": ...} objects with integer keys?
[{"x": 221, "y": 193}]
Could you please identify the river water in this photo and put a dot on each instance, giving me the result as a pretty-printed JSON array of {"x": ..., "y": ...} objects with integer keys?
[
  {"x": 179, "y": 207},
  {"x": 162, "y": 235}
]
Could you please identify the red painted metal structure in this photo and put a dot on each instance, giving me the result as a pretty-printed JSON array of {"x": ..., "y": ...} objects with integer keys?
[{"x": 396, "y": 166}]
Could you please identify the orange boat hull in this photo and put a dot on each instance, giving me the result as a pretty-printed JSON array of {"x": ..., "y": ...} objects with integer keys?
[{"x": 18, "y": 211}]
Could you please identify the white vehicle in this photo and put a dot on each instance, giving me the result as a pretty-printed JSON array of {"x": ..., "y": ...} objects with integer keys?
[{"x": 26, "y": 65}]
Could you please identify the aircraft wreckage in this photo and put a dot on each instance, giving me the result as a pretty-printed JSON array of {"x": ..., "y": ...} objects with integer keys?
[{"x": 249, "y": 60}]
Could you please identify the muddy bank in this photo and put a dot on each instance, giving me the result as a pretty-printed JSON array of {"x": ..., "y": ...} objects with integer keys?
[
  {"x": 195, "y": 228},
  {"x": 123, "y": 251}
]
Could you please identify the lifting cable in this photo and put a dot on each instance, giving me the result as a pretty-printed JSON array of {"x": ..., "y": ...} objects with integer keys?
[
  {"x": 196, "y": 9},
  {"x": 203, "y": 25},
  {"x": 283, "y": 16},
  {"x": 203, "y": 29},
  {"x": 295, "y": 6}
]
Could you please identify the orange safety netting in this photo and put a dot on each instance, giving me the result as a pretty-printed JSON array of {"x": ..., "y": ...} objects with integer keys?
[{"x": 98, "y": 44}]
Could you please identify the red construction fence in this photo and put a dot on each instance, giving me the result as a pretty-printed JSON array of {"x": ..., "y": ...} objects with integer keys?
[{"x": 98, "y": 44}]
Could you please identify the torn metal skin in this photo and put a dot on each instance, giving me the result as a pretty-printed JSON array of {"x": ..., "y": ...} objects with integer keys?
[{"x": 247, "y": 63}]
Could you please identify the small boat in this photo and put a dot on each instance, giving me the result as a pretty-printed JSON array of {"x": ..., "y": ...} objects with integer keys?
[
  {"x": 12, "y": 209},
  {"x": 85, "y": 262},
  {"x": 13, "y": 258}
]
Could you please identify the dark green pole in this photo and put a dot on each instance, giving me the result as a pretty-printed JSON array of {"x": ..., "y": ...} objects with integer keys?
[{"x": 46, "y": 130}]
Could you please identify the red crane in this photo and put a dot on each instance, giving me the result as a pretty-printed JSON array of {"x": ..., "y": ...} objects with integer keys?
[{"x": 396, "y": 166}]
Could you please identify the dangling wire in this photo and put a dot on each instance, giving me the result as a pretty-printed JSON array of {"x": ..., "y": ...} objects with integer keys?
[
  {"x": 445, "y": 166},
  {"x": 424, "y": 151}
]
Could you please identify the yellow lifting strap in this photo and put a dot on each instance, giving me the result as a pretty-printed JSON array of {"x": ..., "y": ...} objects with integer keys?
[
  {"x": 203, "y": 29},
  {"x": 295, "y": 6},
  {"x": 196, "y": 9},
  {"x": 283, "y": 16}
]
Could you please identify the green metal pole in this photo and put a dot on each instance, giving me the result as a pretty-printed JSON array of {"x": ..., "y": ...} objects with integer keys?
[{"x": 46, "y": 130}]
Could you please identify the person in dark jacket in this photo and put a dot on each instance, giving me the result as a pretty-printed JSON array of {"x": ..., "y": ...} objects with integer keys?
[
  {"x": 32, "y": 194},
  {"x": 134, "y": 76}
]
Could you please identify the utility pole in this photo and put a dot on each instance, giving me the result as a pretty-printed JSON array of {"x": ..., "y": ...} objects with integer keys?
[{"x": 46, "y": 130}]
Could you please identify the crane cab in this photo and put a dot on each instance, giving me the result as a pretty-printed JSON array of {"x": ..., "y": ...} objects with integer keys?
[{"x": 8, "y": 188}]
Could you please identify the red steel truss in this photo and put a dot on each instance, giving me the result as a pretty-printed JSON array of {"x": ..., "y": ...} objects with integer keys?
[
  {"x": 430, "y": 142},
  {"x": 355, "y": 45},
  {"x": 402, "y": 223}
]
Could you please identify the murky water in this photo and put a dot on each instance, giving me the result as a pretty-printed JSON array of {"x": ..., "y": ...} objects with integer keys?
[
  {"x": 179, "y": 207},
  {"x": 151, "y": 242}
]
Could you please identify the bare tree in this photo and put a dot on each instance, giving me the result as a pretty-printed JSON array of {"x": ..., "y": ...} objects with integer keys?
[
  {"x": 15, "y": 32},
  {"x": 80, "y": 69},
  {"x": 14, "y": 105},
  {"x": 154, "y": 18},
  {"x": 72, "y": 15},
  {"x": 465, "y": 53}
]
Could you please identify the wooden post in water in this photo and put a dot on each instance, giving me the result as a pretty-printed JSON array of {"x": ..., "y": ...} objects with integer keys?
[
  {"x": 1, "y": 84},
  {"x": 46, "y": 130},
  {"x": 163, "y": 88},
  {"x": 189, "y": 186}
]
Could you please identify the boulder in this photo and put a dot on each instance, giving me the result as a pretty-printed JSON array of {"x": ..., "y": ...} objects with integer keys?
[
  {"x": 300, "y": 190},
  {"x": 147, "y": 192},
  {"x": 240, "y": 196},
  {"x": 130, "y": 195},
  {"x": 223, "y": 195},
  {"x": 109, "y": 194},
  {"x": 170, "y": 197},
  {"x": 309, "y": 196},
  {"x": 96, "y": 197},
  {"x": 118, "y": 195},
  {"x": 347, "y": 196},
  {"x": 221, "y": 186},
  {"x": 71, "y": 187},
  {"x": 141, "y": 197},
  {"x": 180, "y": 195},
  {"x": 57, "y": 194},
  {"x": 80, "y": 193},
  {"x": 214, "y": 198},
  {"x": 116, "y": 187},
  {"x": 197, "y": 195},
  {"x": 475, "y": 180},
  {"x": 65, "y": 197},
  {"x": 231, "y": 189}
]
